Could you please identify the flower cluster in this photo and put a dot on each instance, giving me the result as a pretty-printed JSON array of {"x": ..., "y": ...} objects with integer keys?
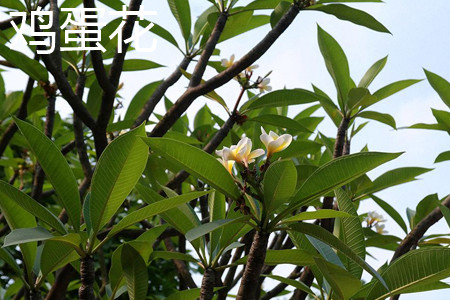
[
  {"x": 242, "y": 152},
  {"x": 244, "y": 77},
  {"x": 374, "y": 219}
]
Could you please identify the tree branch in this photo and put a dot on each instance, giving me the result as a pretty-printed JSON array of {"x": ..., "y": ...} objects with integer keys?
[
  {"x": 6, "y": 24},
  {"x": 193, "y": 93},
  {"x": 161, "y": 90}
]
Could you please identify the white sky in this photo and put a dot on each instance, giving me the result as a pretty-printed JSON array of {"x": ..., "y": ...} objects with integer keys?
[{"x": 420, "y": 38}]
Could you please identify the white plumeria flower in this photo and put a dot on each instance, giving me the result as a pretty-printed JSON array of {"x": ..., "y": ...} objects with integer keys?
[
  {"x": 228, "y": 164},
  {"x": 380, "y": 228},
  {"x": 241, "y": 153},
  {"x": 252, "y": 68},
  {"x": 273, "y": 142},
  {"x": 228, "y": 63},
  {"x": 264, "y": 85},
  {"x": 374, "y": 218}
]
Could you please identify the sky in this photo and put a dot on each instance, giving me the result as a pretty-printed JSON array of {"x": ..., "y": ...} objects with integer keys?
[{"x": 419, "y": 40}]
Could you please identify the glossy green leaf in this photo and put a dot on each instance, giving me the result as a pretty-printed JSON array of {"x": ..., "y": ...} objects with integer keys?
[
  {"x": 54, "y": 164},
  {"x": 331, "y": 240},
  {"x": 423, "y": 266},
  {"x": 279, "y": 184},
  {"x": 373, "y": 71},
  {"x": 154, "y": 209},
  {"x": 315, "y": 215},
  {"x": 446, "y": 213},
  {"x": 440, "y": 85},
  {"x": 31, "y": 206},
  {"x": 444, "y": 156},
  {"x": 358, "y": 97},
  {"x": 191, "y": 294},
  {"x": 353, "y": 15},
  {"x": 119, "y": 168},
  {"x": 172, "y": 255},
  {"x": 443, "y": 118},
  {"x": 351, "y": 231},
  {"x": 139, "y": 65},
  {"x": 209, "y": 227},
  {"x": 181, "y": 11},
  {"x": 342, "y": 282},
  {"x": 56, "y": 255},
  {"x": 9, "y": 259},
  {"x": 26, "y": 235},
  {"x": 339, "y": 172},
  {"x": 393, "y": 88},
  {"x": 28, "y": 65},
  {"x": 336, "y": 63},
  {"x": 263, "y": 4},
  {"x": 196, "y": 162},
  {"x": 380, "y": 117},
  {"x": 135, "y": 271},
  {"x": 392, "y": 178},
  {"x": 284, "y": 98}
]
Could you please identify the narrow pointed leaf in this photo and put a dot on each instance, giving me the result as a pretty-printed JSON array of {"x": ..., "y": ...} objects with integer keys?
[
  {"x": 380, "y": 117},
  {"x": 373, "y": 71},
  {"x": 393, "y": 88},
  {"x": 197, "y": 162},
  {"x": 116, "y": 174},
  {"x": 26, "y": 235},
  {"x": 279, "y": 184},
  {"x": 181, "y": 11},
  {"x": 206, "y": 228},
  {"x": 315, "y": 215},
  {"x": 135, "y": 271},
  {"x": 440, "y": 85},
  {"x": 54, "y": 164},
  {"x": 391, "y": 212},
  {"x": 283, "y": 98}
]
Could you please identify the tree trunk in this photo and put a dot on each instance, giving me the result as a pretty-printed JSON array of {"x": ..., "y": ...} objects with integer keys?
[
  {"x": 253, "y": 268},
  {"x": 207, "y": 291},
  {"x": 86, "y": 291}
]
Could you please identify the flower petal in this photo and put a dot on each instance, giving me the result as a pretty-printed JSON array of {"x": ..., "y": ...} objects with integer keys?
[{"x": 256, "y": 153}]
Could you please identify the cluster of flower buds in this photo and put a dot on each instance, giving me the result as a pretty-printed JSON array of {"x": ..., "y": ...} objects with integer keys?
[
  {"x": 262, "y": 83},
  {"x": 374, "y": 219},
  {"x": 242, "y": 152}
]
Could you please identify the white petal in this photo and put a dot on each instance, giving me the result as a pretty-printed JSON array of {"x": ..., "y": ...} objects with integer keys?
[
  {"x": 256, "y": 153},
  {"x": 265, "y": 139},
  {"x": 287, "y": 139},
  {"x": 274, "y": 145},
  {"x": 228, "y": 154},
  {"x": 273, "y": 135}
]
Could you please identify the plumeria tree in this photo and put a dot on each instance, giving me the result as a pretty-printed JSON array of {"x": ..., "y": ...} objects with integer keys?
[{"x": 109, "y": 204}]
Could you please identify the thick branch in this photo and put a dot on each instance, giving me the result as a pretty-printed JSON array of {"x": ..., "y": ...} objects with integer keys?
[{"x": 193, "y": 93}]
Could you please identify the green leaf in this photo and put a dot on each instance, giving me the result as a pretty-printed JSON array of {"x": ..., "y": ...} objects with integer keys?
[
  {"x": 288, "y": 256},
  {"x": 295, "y": 283},
  {"x": 18, "y": 218},
  {"x": 172, "y": 255},
  {"x": 31, "y": 206},
  {"x": 353, "y": 15},
  {"x": 196, "y": 162},
  {"x": 392, "y": 212},
  {"x": 139, "y": 100},
  {"x": 182, "y": 13},
  {"x": 209, "y": 227},
  {"x": 440, "y": 85},
  {"x": 336, "y": 63},
  {"x": 135, "y": 271},
  {"x": 139, "y": 65},
  {"x": 393, "y": 88},
  {"x": 339, "y": 172},
  {"x": 118, "y": 169},
  {"x": 191, "y": 294},
  {"x": 299, "y": 149},
  {"x": 373, "y": 71},
  {"x": 444, "y": 156},
  {"x": 358, "y": 97},
  {"x": 26, "y": 235},
  {"x": 423, "y": 266},
  {"x": 13, "y": 4},
  {"x": 425, "y": 206},
  {"x": 343, "y": 283},
  {"x": 30, "y": 66},
  {"x": 315, "y": 215},
  {"x": 114, "y": 4},
  {"x": 392, "y": 178},
  {"x": 351, "y": 230},
  {"x": 443, "y": 118},
  {"x": 446, "y": 213},
  {"x": 282, "y": 98},
  {"x": 262, "y": 4},
  {"x": 331, "y": 240},
  {"x": 54, "y": 164},
  {"x": 377, "y": 116},
  {"x": 154, "y": 209},
  {"x": 280, "y": 121},
  {"x": 279, "y": 12},
  {"x": 279, "y": 184},
  {"x": 9, "y": 259},
  {"x": 55, "y": 255}
]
